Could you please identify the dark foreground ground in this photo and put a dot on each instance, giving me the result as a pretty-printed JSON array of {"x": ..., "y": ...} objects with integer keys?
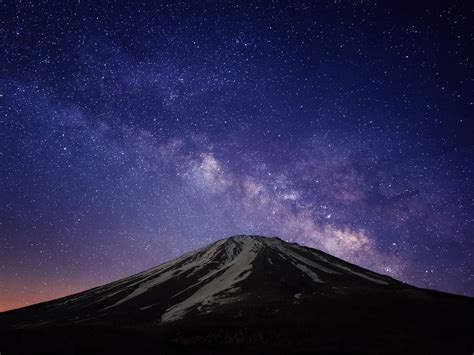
[{"x": 378, "y": 325}]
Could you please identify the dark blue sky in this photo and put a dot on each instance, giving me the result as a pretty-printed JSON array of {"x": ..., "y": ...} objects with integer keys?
[{"x": 132, "y": 132}]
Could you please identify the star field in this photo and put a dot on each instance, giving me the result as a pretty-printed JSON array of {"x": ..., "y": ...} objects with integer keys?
[{"x": 132, "y": 132}]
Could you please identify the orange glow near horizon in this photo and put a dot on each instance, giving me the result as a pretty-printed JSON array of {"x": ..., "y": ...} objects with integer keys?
[
  {"x": 17, "y": 295},
  {"x": 13, "y": 300}
]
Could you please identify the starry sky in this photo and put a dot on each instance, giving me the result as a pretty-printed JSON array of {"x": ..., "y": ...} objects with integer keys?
[{"x": 132, "y": 132}]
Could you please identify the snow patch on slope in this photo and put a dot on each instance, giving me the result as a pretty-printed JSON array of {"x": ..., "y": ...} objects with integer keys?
[
  {"x": 364, "y": 276},
  {"x": 312, "y": 275},
  {"x": 165, "y": 272},
  {"x": 300, "y": 259},
  {"x": 217, "y": 290}
]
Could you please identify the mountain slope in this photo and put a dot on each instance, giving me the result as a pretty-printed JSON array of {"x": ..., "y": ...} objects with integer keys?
[
  {"x": 226, "y": 271},
  {"x": 284, "y": 290}
]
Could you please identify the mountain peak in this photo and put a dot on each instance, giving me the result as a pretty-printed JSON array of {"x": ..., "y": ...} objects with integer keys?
[
  {"x": 228, "y": 271},
  {"x": 251, "y": 237},
  {"x": 244, "y": 281}
]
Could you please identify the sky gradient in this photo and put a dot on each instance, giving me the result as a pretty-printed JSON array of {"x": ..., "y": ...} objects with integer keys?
[{"x": 133, "y": 132}]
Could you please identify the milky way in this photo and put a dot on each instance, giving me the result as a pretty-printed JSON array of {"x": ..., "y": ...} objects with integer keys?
[{"x": 132, "y": 133}]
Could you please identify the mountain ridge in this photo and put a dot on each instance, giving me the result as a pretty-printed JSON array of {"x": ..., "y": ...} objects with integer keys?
[
  {"x": 232, "y": 257},
  {"x": 244, "y": 285}
]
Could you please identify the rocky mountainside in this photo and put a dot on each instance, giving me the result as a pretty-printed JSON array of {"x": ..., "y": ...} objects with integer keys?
[{"x": 250, "y": 291}]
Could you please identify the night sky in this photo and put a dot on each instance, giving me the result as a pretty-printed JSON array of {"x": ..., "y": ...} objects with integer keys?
[{"x": 133, "y": 132}]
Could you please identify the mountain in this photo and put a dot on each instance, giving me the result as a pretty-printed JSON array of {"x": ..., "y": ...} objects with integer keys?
[{"x": 246, "y": 293}]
